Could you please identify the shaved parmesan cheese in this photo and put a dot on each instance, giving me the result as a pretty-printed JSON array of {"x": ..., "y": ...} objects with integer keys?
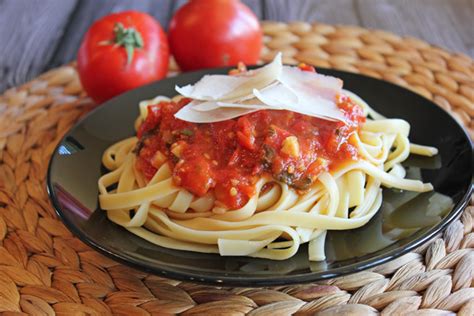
[
  {"x": 203, "y": 106},
  {"x": 211, "y": 87},
  {"x": 189, "y": 114},
  {"x": 311, "y": 83},
  {"x": 258, "y": 78},
  {"x": 316, "y": 93},
  {"x": 277, "y": 96},
  {"x": 224, "y": 87},
  {"x": 251, "y": 104},
  {"x": 284, "y": 98},
  {"x": 272, "y": 87},
  {"x": 247, "y": 102}
]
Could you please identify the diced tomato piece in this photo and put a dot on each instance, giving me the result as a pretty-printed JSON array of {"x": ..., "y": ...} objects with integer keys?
[
  {"x": 306, "y": 67},
  {"x": 246, "y": 141},
  {"x": 194, "y": 175},
  {"x": 234, "y": 190},
  {"x": 246, "y": 133}
]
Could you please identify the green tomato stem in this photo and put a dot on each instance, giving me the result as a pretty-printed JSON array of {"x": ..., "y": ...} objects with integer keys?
[{"x": 129, "y": 38}]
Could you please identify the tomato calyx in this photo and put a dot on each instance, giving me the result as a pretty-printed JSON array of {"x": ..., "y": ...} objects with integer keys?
[{"x": 129, "y": 38}]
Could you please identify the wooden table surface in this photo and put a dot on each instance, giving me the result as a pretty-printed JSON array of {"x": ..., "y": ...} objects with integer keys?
[{"x": 37, "y": 35}]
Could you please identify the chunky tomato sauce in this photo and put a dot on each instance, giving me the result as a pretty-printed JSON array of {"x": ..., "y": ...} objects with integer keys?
[{"x": 229, "y": 157}]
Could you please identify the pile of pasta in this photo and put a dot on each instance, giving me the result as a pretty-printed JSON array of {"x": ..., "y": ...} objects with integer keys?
[{"x": 274, "y": 223}]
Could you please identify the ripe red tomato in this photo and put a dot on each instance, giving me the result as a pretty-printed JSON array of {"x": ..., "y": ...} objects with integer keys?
[
  {"x": 213, "y": 33},
  {"x": 120, "y": 52}
]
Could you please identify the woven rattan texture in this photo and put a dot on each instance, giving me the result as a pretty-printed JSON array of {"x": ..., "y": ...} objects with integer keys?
[{"x": 44, "y": 270}]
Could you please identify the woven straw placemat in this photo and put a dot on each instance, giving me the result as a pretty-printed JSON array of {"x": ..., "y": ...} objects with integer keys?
[{"x": 45, "y": 270}]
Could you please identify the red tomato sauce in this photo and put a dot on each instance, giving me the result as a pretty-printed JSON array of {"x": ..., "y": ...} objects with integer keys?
[{"x": 229, "y": 157}]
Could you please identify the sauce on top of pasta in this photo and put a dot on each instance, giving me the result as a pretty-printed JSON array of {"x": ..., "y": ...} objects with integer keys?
[{"x": 228, "y": 157}]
